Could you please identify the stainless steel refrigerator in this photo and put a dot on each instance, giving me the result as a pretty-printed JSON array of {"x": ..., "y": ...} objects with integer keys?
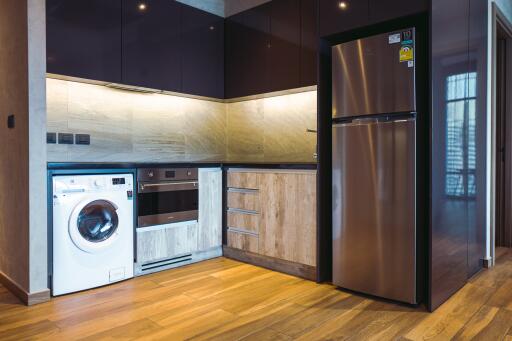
[{"x": 374, "y": 165}]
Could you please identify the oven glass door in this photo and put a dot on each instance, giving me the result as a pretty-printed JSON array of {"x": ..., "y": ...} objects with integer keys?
[{"x": 166, "y": 204}]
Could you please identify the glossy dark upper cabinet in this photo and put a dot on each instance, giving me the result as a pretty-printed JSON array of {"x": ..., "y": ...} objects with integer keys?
[
  {"x": 203, "y": 53},
  {"x": 336, "y": 18},
  {"x": 391, "y": 9},
  {"x": 283, "y": 68},
  {"x": 84, "y": 38},
  {"x": 309, "y": 42},
  {"x": 151, "y": 44},
  {"x": 247, "y": 50}
]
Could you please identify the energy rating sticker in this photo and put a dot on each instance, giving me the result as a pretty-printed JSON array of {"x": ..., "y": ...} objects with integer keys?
[{"x": 406, "y": 53}]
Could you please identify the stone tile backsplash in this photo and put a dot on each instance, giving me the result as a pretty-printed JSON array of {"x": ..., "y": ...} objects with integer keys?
[{"x": 127, "y": 126}]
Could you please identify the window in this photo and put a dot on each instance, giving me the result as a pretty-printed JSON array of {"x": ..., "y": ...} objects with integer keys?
[{"x": 461, "y": 135}]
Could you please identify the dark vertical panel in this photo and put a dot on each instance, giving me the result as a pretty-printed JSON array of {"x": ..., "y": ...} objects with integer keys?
[
  {"x": 283, "y": 68},
  {"x": 152, "y": 44},
  {"x": 478, "y": 65},
  {"x": 391, "y": 9},
  {"x": 203, "y": 53},
  {"x": 84, "y": 38},
  {"x": 324, "y": 174},
  {"x": 247, "y": 45},
  {"x": 309, "y": 42},
  {"x": 451, "y": 203},
  {"x": 336, "y": 20}
]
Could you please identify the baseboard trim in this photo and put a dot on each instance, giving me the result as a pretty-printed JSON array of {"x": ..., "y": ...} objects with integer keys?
[
  {"x": 24, "y": 296},
  {"x": 291, "y": 268}
]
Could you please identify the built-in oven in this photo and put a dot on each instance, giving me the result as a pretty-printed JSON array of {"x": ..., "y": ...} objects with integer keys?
[{"x": 167, "y": 195}]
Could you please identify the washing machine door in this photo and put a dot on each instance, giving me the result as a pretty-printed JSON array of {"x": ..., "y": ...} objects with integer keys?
[{"x": 94, "y": 225}]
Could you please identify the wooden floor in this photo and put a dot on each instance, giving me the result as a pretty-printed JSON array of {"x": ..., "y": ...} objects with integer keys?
[{"x": 226, "y": 300}]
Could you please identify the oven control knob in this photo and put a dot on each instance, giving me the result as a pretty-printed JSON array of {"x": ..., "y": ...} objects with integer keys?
[
  {"x": 189, "y": 173},
  {"x": 97, "y": 183},
  {"x": 151, "y": 174}
]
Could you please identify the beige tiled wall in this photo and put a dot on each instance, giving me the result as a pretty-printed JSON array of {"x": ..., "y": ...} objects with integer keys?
[
  {"x": 127, "y": 126},
  {"x": 272, "y": 129}
]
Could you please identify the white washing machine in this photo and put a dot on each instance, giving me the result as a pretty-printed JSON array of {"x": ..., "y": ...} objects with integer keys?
[{"x": 93, "y": 231}]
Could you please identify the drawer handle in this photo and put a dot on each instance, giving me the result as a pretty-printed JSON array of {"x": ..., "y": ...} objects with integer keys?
[
  {"x": 242, "y": 231},
  {"x": 242, "y": 211},
  {"x": 243, "y": 190}
]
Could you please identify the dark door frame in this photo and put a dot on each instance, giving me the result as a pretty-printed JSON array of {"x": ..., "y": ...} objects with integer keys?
[{"x": 501, "y": 30}]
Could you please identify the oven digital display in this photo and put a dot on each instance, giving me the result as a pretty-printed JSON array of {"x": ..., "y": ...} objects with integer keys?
[
  {"x": 170, "y": 174},
  {"x": 118, "y": 181}
]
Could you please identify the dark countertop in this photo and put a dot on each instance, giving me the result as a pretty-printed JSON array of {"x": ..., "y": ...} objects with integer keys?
[{"x": 199, "y": 164}]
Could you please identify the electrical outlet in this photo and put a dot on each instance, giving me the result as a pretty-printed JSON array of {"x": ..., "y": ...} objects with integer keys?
[
  {"x": 65, "y": 138},
  {"x": 83, "y": 139},
  {"x": 51, "y": 138}
]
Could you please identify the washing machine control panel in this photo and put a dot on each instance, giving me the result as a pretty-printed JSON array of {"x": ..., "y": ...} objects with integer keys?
[{"x": 92, "y": 183}]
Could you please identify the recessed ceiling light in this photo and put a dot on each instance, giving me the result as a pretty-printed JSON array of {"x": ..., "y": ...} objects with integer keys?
[
  {"x": 142, "y": 6},
  {"x": 343, "y": 5}
]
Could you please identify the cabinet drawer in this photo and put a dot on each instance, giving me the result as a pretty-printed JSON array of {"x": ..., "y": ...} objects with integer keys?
[
  {"x": 249, "y": 222},
  {"x": 166, "y": 241},
  {"x": 243, "y": 180},
  {"x": 243, "y": 241},
  {"x": 244, "y": 200}
]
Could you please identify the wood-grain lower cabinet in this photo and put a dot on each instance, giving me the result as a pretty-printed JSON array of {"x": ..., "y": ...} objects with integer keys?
[
  {"x": 288, "y": 216},
  {"x": 167, "y": 246},
  {"x": 162, "y": 242},
  {"x": 210, "y": 208},
  {"x": 243, "y": 241},
  {"x": 272, "y": 215}
]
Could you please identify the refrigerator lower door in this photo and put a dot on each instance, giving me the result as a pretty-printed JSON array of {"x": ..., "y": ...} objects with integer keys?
[{"x": 374, "y": 208}]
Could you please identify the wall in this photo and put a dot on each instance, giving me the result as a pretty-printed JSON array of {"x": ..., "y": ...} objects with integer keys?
[
  {"x": 22, "y": 215},
  {"x": 458, "y": 152},
  {"x": 127, "y": 126},
  {"x": 273, "y": 129},
  {"x": 37, "y": 145},
  {"x": 130, "y": 126}
]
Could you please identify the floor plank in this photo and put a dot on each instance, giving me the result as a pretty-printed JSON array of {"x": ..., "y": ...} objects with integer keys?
[{"x": 222, "y": 299}]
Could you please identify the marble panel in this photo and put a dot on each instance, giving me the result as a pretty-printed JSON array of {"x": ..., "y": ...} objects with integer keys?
[
  {"x": 246, "y": 124},
  {"x": 128, "y": 126},
  {"x": 206, "y": 124},
  {"x": 287, "y": 119}
]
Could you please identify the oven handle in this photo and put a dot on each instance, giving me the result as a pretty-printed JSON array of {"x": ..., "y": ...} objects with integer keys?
[{"x": 168, "y": 187}]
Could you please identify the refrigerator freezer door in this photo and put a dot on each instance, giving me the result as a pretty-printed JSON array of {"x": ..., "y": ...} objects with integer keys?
[
  {"x": 374, "y": 216},
  {"x": 374, "y": 75}
]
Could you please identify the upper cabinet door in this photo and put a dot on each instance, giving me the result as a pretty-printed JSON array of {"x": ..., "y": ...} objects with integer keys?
[
  {"x": 203, "y": 53},
  {"x": 283, "y": 68},
  {"x": 391, "y": 9},
  {"x": 84, "y": 38},
  {"x": 151, "y": 44},
  {"x": 309, "y": 42},
  {"x": 247, "y": 45},
  {"x": 340, "y": 16}
]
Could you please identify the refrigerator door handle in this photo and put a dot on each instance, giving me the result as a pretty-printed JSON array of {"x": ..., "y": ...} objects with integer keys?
[{"x": 371, "y": 121}]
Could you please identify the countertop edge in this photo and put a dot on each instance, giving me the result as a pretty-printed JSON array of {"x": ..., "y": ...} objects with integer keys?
[{"x": 132, "y": 165}]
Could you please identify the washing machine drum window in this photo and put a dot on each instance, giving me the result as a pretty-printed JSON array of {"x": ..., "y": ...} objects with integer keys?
[{"x": 97, "y": 221}]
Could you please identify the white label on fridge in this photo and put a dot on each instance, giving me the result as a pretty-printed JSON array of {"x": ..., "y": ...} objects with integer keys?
[{"x": 394, "y": 38}]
